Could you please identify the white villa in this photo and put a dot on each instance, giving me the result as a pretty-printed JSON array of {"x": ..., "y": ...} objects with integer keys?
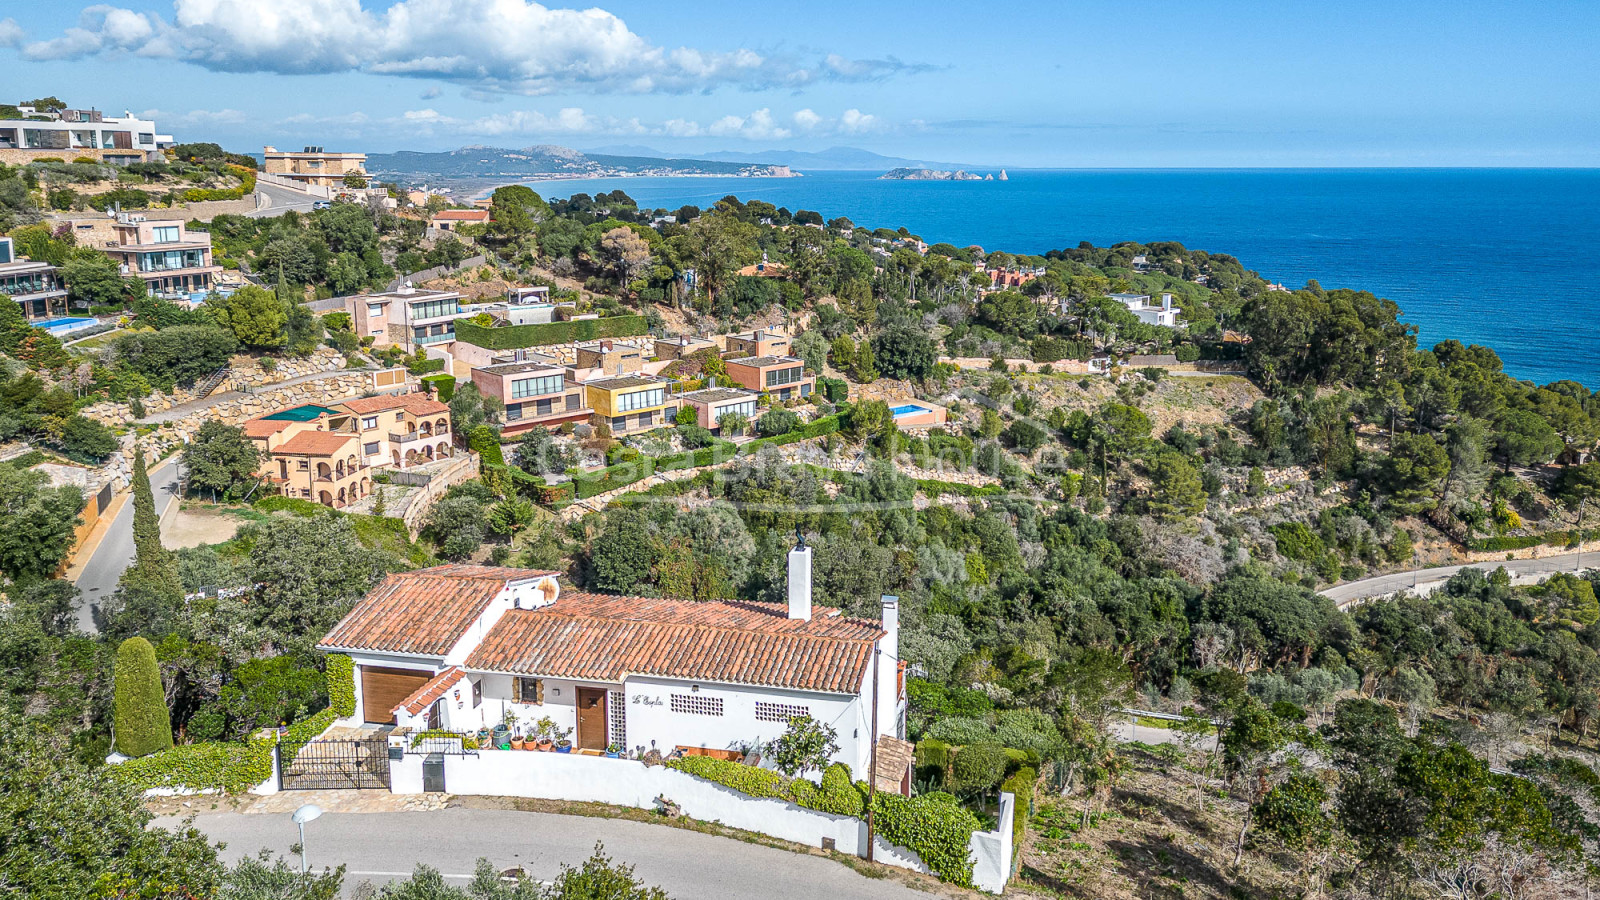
[
  {"x": 1150, "y": 313},
  {"x": 459, "y": 647}
]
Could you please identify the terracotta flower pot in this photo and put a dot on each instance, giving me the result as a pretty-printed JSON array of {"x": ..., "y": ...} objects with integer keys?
[
  {"x": 544, "y": 746},
  {"x": 516, "y": 743}
]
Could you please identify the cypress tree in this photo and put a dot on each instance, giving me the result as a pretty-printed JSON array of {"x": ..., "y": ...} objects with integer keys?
[
  {"x": 148, "y": 552},
  {"x": 142, "y": 724}
]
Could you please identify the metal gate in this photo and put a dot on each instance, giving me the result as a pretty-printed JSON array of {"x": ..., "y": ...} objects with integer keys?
[{"x": 333, "y": 765}]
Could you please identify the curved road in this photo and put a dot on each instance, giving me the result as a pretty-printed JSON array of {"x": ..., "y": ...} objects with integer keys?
[
  {"x": 100, "y": 574},
  {"x": 280, "y": 200},
  {"x": 1522, "y": 571},
  {"x": 688, "y": 865}
]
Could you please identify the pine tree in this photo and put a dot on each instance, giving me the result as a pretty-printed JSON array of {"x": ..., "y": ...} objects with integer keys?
[{"x": 142, "y": 723}]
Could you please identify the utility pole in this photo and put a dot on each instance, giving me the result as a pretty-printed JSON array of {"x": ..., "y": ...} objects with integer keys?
[{"x": 872, "y": 763}]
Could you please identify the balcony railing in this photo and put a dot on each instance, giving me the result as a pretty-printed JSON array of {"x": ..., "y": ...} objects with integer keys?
[{"x": 405, "y": 438}]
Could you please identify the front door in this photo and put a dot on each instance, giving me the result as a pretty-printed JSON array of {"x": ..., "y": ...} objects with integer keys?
[{"x": 591, "y": 719}]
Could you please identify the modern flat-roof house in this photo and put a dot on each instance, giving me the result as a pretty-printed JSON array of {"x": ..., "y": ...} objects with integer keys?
[
  {"x": 711, "y": 404},
  {"x": 35, "y": 286},
  {"x": 313, "y": 166},
  {"x": 401, "y": 430},
  {"x": 1149, "y": 313},
  {"x": 611, "y": 357},
  {"x": 407, "y": 318},
  {"x": 463, "y": 647},
  {"x": 630, "y": 403},
  {"x": 452, "y": 219},
  {"x": 312, "y": 452},
  {"x": 535, "y": 392},
  {"x": 764, "y": 342},
  {"x": 172, "y": 261},
  {"x": 86, "y": 132},
  {"x": 781, "y": 376},
  {"x": 683, "y": 345}
]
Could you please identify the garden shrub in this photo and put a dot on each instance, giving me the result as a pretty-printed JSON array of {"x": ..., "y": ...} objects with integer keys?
[
  {"x": 979, "y": 767},
  {"x": 932, "y": 753},
  {"x": 443, "y": 383},
  {"x": 777, "y": 421},
  {"x": 297, "y": 505},
  {"x": 940, "y": 832},
  {"x": 1020, "y": 785},
  {"x": 142, "y": 724},
  {"x": 742, "y": 778},
  {"x": 483, "y": 442},
  {"x": 341, "y": 685},
  {"x": 959, "y": 730}
]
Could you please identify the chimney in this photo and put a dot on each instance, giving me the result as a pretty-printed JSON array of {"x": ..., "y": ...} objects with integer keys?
[
  {"x": 1166, "y": 301},
  {"x": 800, "y": 581},
  {"x": 605, "y": 346},
  {"x": 891, "y": 622}
]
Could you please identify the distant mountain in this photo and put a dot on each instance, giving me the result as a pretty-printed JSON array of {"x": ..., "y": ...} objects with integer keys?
[
  {"x": 832, "y": 158},
  {"x": 481, "y": 163}
]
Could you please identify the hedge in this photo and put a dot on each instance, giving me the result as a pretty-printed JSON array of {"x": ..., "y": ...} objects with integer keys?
[
  {"x": 1524, "y": 541},
  {"x": 140, "y": 715},
  {"x": 230, "y": 767},
  {"x": 823, "y": 426},
  {"x": 444, "y": 384},
  {"x": 516, "y": 337},
  {"x": 1020, "y": 786},
  {"x": 940, "y": 833},
  {"x": 425, "y": 366},
  {"x": 341, "y": 685}
]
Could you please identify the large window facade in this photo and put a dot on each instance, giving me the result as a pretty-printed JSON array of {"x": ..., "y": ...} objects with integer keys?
[
  {"x": 785, "y": 376},
  {"x": 644, "y": 399},
  {"x": 432, "y": 309},
  {"x": 746, "y": 409},
  {"x": 171, "y": 259},
  {"x": 535, "y": 387}
]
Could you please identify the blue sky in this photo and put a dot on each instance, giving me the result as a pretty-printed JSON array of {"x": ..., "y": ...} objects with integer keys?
[{"x": 1096, "y": 84}]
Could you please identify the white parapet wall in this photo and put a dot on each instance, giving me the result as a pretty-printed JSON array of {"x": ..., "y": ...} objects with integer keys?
[{"x": 623, "y": 782}]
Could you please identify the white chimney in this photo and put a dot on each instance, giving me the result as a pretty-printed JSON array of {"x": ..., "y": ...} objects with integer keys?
[
  {"x": 1166, "y": 301},
  {"x": 800, "y": 581},
  {"x": 891, "y": 624}
]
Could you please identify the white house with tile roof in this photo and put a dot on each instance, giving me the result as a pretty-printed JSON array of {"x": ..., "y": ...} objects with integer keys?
[{"x": 460, "y": 647}]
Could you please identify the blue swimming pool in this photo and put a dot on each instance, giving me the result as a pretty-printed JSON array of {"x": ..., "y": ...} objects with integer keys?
[
  {"x": 64, "y": 324},
  {"x": 908, "y": 409}
]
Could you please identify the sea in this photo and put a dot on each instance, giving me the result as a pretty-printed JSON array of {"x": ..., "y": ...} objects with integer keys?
[{"x": 1507, "y": 258}]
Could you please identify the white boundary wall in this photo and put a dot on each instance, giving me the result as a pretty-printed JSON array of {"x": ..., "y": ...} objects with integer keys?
[{"x": 623, "y": 782}]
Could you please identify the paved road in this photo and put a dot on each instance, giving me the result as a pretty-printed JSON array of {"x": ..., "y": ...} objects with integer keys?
[
  {"x": 380, "y": 847},
  {"x": 1426, "y": 580},
  {"x": 173, "y": 414},
  {"x": 280, "y": 200},
  {"x": 100, "y": 575}
]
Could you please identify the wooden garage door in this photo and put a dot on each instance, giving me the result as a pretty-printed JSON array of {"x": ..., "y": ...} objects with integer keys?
[{"x": 383, "y": 689}]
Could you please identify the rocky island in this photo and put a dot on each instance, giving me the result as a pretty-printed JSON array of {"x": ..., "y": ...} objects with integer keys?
[{"x": 904, "y": 174}]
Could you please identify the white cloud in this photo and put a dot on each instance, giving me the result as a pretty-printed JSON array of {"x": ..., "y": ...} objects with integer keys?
[
  {"x": 854, "y": 121},
  {"x": 500, "y": 46},
  {"x": 430, "y": 93},
  {"x": 10, "y": 33},
  {"x": 758, "y": 126},
  {"x": 807, "y": 120},
  {"x": 196, "y": 118}
]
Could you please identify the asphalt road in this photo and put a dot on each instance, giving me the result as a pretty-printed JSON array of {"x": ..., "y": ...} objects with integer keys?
[
  {"x": 280, "y": 200},
  {"x": 100, "y": 575},
  {"x": 1425, "y": 580},
  {"x": 381, "y": 847}
]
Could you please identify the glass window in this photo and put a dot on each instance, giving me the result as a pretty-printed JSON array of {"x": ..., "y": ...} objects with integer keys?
[
  {"x": 746, "y": 409},
  {"x": 514, "y": 412},
  {"x": 369, "y": 422},
  {"x": 371, "y": 449},
  {"x": 619, "y": 422},
  {"x": 784, "y": 376},
  {"x": 164, "y": 234},
  {"x": 428, "y": 309},
  {"x": 572, "y": 402},
  {"x": 533, "y": 387},
  {"x": 374, "y": 309},
  {"x": 644, "y": 399}
]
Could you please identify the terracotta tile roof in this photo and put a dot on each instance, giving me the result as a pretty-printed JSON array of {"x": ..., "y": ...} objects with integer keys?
[
  {"x": 435, "y": 688},
  {"x": 463, "y": 215},
  {"x": 260, "y": 428},
  {"x": 608, "y": 638},
  {"x": 416, "y": 404},
  {"x": 422, "y": 612},
  {"x": 318, "y": 443}
]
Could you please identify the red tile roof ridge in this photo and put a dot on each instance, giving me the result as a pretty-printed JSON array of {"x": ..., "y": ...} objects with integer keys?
[
  {"x": 826, "y": 615},
  {"x": 431, "y": 690}
]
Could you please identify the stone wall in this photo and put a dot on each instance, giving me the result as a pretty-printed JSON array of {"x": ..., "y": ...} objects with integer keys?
[
  {"x": 245, "y": 374},
  {"x": 13, "y": 156},
  {"x": 234, "y": 410},
  {"x": 204, "y": 210}
]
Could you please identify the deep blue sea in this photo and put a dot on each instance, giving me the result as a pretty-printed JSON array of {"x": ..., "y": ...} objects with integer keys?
[{"x": 1509, "y": 258}]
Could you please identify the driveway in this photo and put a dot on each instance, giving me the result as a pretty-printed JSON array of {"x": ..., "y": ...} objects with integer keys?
[
  {"x": 280, "y": 200},
  {"x": 381, "y": 847},
  {"x": 1423, "y": 581},
  {"x": 100, "y": 574}
]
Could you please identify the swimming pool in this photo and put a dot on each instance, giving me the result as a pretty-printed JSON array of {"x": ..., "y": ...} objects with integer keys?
[
  {"x": 64, "y": 324},
  {"x": 908, "y": 409}
]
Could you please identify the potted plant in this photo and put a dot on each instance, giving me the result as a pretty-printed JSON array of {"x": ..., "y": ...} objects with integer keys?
[
  {"x": 564, "y": 744},
  {"x": 545, "y": 728},
  {"x": 516, "y": 741},
  {"x": 613, "y": 750}
]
